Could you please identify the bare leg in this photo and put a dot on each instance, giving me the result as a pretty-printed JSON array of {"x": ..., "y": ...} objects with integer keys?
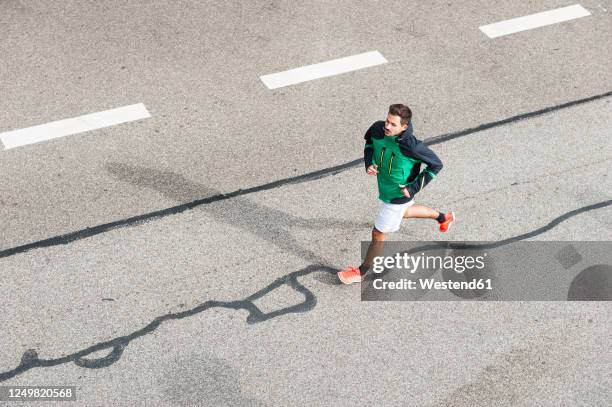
[
  {"x": 420, "y": 211},
  {"x": 375, "y": 249}
]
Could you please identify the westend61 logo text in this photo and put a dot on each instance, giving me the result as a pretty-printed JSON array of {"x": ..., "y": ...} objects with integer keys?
[
  {"x": 459, "y": 264},
  {"x": 412, "y": 264}
]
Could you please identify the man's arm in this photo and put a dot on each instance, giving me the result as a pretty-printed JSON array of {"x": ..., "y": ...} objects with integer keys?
[
  {"x": 368, "y": 150},
  {"x": 433, "y": 166}
]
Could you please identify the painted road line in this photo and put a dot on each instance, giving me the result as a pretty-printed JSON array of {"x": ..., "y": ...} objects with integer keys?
[
  {"x": 534, "y": 21},
  {"x": 323, "y": 69},
  {"x": 66, "y": 127}
]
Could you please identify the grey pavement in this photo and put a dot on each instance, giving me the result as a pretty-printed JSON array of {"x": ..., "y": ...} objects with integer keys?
[{"x": 233, "y": 300}]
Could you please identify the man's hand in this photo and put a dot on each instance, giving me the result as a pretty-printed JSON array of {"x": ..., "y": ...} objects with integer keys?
[
  {"x": 405, "y": 191},
  {"x": 372, "y": 169}
]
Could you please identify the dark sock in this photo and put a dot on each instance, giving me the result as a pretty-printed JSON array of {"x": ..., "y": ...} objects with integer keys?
[
  {"x": 363, "y": 269},
  {"x": 440, "y": 217}
]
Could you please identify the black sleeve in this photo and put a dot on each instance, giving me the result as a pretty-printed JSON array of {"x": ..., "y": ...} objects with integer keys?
[
  {"x": 368, "y": 149},
  {"x": 433, "y": 166}
]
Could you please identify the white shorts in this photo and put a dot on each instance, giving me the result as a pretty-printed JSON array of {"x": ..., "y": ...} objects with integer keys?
[{"x": 390, "y": 216}]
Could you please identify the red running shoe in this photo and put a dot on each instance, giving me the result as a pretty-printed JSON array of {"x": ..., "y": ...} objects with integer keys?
[
  {"x": 350, "y": 275},
  {"x": 448, "y": 219}
]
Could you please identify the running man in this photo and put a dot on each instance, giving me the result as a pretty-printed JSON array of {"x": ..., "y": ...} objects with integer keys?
[{"x": 394, "y": 155}]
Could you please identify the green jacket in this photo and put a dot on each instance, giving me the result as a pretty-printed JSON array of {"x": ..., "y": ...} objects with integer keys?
[{"x": 399, "y": 160}]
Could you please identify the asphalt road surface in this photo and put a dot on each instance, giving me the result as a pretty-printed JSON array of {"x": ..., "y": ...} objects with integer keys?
[{"x": 189, "y": 258}]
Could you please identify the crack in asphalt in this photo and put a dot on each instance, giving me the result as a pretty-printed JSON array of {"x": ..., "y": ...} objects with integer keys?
[
  {"x": 30, "y": 358},
  {"x": 311, "y": 176}
]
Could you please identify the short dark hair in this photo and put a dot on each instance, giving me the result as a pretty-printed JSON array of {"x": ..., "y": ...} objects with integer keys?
[{"x": 402, "y": 111}]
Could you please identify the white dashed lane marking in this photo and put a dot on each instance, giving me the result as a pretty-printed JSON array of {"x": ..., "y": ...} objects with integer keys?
[
  {"x": 323, "y": 69},
  {"x": 66, "y": 127},
  {"x": 534, "y": 21}
]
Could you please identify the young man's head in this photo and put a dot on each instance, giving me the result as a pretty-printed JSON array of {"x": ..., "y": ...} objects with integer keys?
[{"x": 398, "y": 119}]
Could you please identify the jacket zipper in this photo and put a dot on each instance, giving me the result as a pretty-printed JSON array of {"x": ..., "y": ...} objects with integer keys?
[
  {"x": 382, "y": 156},
  {"x": 391, "y": 163}
]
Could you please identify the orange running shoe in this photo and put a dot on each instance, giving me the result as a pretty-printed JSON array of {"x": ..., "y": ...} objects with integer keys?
[
  {"x": 350, "y": 275},
  {"x": 448, "y": 219}
]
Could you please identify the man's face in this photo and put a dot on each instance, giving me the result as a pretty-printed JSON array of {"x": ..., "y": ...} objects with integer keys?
[{"x": 393, "y": 126}]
